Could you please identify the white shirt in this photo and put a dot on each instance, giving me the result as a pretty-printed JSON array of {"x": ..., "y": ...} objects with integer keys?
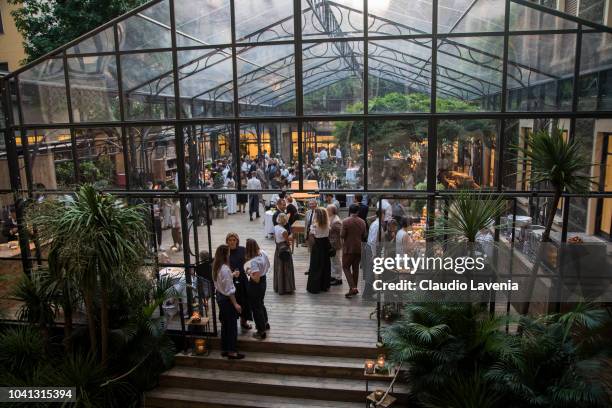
[
  {"x": 319, "y": 232},
  {"x": 284, "y": 172},
  {"x": 338, "y": 154},
  {"x": 387, "y": 209},
  {"x": 253, "y": 184},
  {"x": 261, "y": 264},
  {"x": 225, "y": 282},
  {"x": 323, "y": 154},
  {"x": 399, "y": 242},
  {"x": 278, "y": 233},
  {"x": 245, "y": 166},
  {"x": 373, "y": 236}
]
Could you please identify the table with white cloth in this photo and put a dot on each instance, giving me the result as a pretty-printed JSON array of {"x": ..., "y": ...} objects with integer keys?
[
  {"x": 350, "y": 199},
  {"x": 268, "y": 224},
  {"x": 351, "y": 174}
]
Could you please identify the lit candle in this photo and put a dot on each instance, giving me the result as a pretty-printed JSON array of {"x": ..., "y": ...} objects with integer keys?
[
  {"x": 200, "y": 346},
  {"x": 369, "y": 366},
  {"x": 380, "y": 362}
]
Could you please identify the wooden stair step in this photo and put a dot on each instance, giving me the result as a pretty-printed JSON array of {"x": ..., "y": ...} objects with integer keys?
[
  {"x": 274, "y": 363},
  {"x": 182, "y": 398},
  {"x": 337, "y": 389}
]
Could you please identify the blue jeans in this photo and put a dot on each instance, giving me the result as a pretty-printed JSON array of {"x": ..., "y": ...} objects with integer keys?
[{"x": 229, "y": 324}]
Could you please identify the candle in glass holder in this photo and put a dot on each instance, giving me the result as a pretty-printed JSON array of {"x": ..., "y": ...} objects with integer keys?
[
  {"x": 378, "y": 394},
  {"x": 380, "y": 362},
  {"x": 369, "y": 365},
  {"x": 200, "y": 346}
]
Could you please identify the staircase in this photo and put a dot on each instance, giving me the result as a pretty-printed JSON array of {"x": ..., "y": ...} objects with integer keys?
[{"x": 273, "y": 375}]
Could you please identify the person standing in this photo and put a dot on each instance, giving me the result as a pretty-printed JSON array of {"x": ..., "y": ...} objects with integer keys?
[
  {"x": 402, "y": 238},
  {"x": 362, "y": 208},
  {"x": 335, "y": 240},
  {"x": 175, "y": 217},
  {"x": 230, "y": 184},
  {"x": 372, "y": 252},
  {"x": 257, "y": 267},
  {"x": 353, "y": 230},
  {"x": 319, "y": 278},
  {"x": 228, "y": 306},
  {"x": 253, "y": 184},
  {"x": 237, "y": 258},
  {"x": 329, "y": 199},
  {"x": 284, "y": 279},
  {"x": 312, "y": 205}
]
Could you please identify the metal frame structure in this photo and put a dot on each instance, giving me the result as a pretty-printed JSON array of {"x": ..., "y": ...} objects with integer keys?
[{"x": 332, "y": 36}]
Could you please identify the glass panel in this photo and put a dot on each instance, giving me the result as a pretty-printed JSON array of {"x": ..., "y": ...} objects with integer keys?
[
  {"x": 322, "y": 19},
  {"x": 255, "y": 23},
  {"x": 208, "y": 152},
  {"x": 148, "y": 85},
  {"x": 205, "y": 81},
  {"x": 100, "y": 154},
  {"x": 517, "y": 173},
  {"x": 94, "y": 90},
  {"x": 397, "y": 154},
  {"x": 50, "y": 159},
  {"x": 333, "y": 156},
  {"x": 12, "y": 272},
  {"x": 271, "y": 150},
  {"x": 148, "y": 29},
  {"x": 104, "y": 41},
  {"x": 333, "y": 77},
  {"x": 540, "y": 72},
  {"x": 152, "y": 158},
  {"x": 399, "y": 76},
  {"x": 595, "y": 89},
  {"x": 202, "y": 22},
  {"x": 467, "y": 16},
  {"x": 43, "y": 93},
  {"x": 526, "y": 18},
  {"x": 266, "y": 83},
  {"x": 399, "y": 17},
  {"x": 469, "y": 74},
  {"x": 466, "y": 153},
  {"x": 592, "y": 10}
]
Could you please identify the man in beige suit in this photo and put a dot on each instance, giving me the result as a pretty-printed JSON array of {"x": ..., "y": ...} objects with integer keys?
[{"x": 353, "y": 231}]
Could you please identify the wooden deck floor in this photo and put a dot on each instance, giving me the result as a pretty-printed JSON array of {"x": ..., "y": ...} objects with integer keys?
[{"x": 326, "y": 318}]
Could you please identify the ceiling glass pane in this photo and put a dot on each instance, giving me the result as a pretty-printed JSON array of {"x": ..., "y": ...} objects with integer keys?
[
  {"x": 527, "y": 19},
  {"x": 540, "y": 72},
  {"x": 148, "y": 85},
  {"x": 595, "y": 87},
  {"x": 104, "y": 41},
  {"x": 469, "y": 73},
  {"x": 202, "y": 22},
  {"x": 399, "y": 17},
  {"x": 205, "y": 82},
  {"x": 326, "y": 19},
  {"x": 266, "y": 80},
  {"x": 43, "y": 93},
  {"x": 465, "y": 16},
  {"x": 399, "y": 73},
  {"x": 333, "y": 77},
  {"x": 148, "y": 29},
  {"x": 93, "y": 88},
  {"x": 267, "y": 20},
  {"x": 591, "y": 10}
]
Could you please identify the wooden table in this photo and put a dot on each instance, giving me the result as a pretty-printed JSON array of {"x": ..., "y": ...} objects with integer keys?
[{"x": 298, "y": 229}]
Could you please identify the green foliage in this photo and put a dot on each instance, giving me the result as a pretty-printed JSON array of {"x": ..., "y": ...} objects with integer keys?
[
  {"x": 47, "y": 25},
  {"x": 64, "y": 174},
  {"x": 22, "y": 349},
  {"x": 469, "y": 213},
  {"x": 37, "y": 298}
]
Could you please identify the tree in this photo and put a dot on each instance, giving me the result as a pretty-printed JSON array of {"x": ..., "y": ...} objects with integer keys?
[{"x": 47, "y": 25}]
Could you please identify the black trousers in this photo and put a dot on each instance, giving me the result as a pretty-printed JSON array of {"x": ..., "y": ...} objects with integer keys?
[
  {"x": 253, "y": 204},
  {"x": 229, "y": 324},
  {"x": 257, "y": 292},
  {"x": 157, "y": 223}
]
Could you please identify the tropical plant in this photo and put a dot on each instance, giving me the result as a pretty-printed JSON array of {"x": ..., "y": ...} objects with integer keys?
[
  {"x": 37, "y": 300},
  {"x": 22, "y": 349},
  {"x": 559, "y": 162},
  {"x": 99, "y": 241},
  {"x": 563, "y": 364},
  {"x": 469, "y": 212}
]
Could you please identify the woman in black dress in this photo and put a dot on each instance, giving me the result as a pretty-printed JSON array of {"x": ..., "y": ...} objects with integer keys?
[
  {"x": 319, "y": 278},
  {"x": 237, "y": 258},
  {"x": 242, "y": 199}
]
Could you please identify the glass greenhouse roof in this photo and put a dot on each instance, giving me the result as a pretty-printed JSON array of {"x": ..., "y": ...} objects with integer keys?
[{"x": 212, "y": 55}]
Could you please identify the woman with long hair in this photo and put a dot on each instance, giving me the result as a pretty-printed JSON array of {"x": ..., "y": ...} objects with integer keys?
[
  {"x": 237, "y": 258},
  {"x": 284, "y": 278},
  {"x": 230, "y": 199},
  {"x": 257, "y": 267},
  {"x": 228, "y": 306},
  {"x": 319, "y": 278}
]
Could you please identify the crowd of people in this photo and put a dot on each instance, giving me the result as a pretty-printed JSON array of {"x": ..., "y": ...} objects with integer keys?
[{"x": 337, "y": 247}]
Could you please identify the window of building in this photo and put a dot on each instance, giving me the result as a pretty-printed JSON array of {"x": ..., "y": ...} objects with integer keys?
[{"x": 4, "y": 66}]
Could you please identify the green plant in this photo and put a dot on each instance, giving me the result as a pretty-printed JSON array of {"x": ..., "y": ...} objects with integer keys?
[
  {"x": 37, "y": 299},
  {"x": 22, "y": 350}
]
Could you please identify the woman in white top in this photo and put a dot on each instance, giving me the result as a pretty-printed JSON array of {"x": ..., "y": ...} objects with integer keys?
[
  {"x": 403, "y": 237},
  {"x": 319, "y": 278},
  {"x": 284, "y": 278},
  {"x": 257, "y": 267},
  {"x": 229, "y": 309},
  {"x": 232, "y": 203}
]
